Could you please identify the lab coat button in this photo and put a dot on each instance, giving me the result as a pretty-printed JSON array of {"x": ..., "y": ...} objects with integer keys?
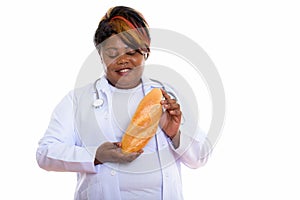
[{"x": 112, "y": 172}]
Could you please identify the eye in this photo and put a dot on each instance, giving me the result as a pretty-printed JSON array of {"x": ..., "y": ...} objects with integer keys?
[
  {"x": 131, "y": 53},
  {"x": 111, "y": 53}
]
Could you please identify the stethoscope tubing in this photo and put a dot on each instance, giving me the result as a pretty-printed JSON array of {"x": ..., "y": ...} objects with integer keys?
[{"x": 99, "y": 102}]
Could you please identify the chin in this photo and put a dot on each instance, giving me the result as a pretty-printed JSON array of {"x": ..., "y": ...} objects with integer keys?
[
  {"x": 129, "y": 81},
  {"x": 127, "y": 84}
]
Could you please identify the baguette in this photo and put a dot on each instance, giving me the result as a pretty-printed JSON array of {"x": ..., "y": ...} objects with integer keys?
[{"x": 144, "y": 122}]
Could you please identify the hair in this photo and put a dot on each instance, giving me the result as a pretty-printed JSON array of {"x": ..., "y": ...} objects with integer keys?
[{"x": 129, "y": 24}]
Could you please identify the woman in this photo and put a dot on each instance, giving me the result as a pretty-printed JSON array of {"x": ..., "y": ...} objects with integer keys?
[{"x": 84, "y": 139}]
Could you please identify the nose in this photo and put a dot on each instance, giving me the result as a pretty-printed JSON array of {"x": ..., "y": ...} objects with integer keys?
[{"x": 123, "y": 60}]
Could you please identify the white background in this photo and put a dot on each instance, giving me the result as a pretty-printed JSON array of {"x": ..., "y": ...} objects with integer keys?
[{"x": 255, "y": 46}]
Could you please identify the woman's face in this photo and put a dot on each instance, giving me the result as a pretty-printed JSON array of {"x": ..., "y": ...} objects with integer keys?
[{"x": 123, "y": 66}]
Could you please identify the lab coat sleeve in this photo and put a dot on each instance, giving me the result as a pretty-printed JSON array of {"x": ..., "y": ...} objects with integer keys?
[
  {"x": 60, "y": 149},
  {"x": 193, "y": 151}
]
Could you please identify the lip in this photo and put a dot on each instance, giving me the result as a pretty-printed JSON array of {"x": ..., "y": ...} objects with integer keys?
[{"x": 123, "y": 71}]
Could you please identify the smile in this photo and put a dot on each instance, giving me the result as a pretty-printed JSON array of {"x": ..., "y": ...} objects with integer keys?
[{"x": 124, "y": 70}]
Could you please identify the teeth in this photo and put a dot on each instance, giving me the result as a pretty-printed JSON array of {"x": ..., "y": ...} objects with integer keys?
[{"x": 123, "y": 70}]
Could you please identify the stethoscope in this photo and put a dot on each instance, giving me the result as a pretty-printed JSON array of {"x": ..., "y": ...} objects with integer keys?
[{"x": 99, "y": 101}]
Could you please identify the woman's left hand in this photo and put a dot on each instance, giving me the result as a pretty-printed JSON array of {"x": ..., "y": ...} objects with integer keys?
[{"x": 171, "y": 118}]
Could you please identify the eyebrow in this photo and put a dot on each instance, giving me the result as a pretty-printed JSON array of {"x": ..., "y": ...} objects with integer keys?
[{"x": 116, "y": 48}]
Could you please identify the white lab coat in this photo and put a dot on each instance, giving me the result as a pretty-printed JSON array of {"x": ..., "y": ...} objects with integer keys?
[{"x": 77, "y": 129}]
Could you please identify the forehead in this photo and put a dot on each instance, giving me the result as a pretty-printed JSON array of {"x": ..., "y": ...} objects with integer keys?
[{"x": 114, "y": 42}]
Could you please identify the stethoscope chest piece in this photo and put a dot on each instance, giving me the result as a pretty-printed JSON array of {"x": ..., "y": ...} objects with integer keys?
[{"x": 98, "y": 102}]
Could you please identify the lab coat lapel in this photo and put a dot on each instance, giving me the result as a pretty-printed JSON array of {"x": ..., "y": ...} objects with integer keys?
[
  {"x": 104, "y": 113},
  {"x": 85, "y": 120},
  {"x": 93, "y": 132}
]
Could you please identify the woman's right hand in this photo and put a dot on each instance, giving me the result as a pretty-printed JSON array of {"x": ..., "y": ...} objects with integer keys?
[{"x": 111, "y": 152}]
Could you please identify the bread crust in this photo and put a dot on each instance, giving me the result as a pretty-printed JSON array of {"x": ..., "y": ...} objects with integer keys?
[{"x": 144, "y": 122}]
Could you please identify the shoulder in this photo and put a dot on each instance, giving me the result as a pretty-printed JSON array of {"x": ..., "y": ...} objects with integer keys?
[{"x": 77, "y": 92}]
